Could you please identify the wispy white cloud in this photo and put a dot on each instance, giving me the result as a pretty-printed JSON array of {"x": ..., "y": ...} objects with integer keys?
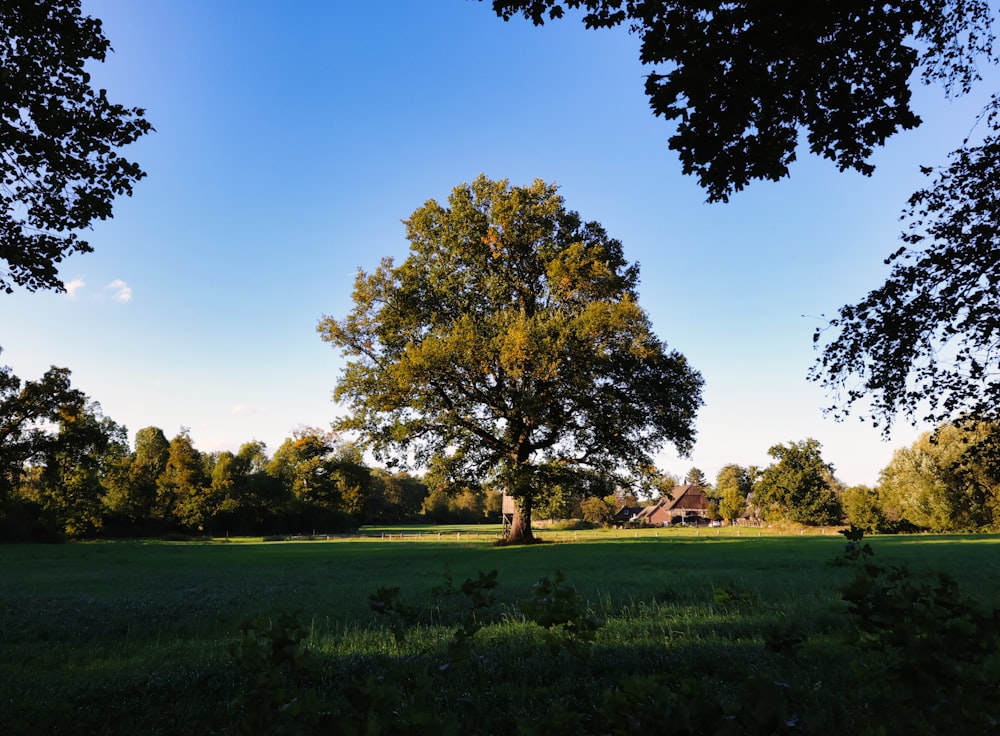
[
  {"x": 244, "y": 409},
  {"x": 74, "y": 286},
  {"x": 119, "y": 291}
]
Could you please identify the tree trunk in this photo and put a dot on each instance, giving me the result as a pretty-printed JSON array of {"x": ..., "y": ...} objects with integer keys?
[{"x": 520, "y": 528}]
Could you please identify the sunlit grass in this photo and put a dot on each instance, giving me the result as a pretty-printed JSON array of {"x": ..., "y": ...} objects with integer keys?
[{"x": 144, "y": 629}]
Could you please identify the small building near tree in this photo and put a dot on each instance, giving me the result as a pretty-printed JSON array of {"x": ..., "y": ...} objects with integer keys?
[
  {"x": 682, "y": 505},
  {"x": 626, "y": 513}
]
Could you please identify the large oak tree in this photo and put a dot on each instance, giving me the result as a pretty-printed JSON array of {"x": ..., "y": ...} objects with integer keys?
[
  {"x": 511, "y": 341},
  {"x": 60, "y": 168}
]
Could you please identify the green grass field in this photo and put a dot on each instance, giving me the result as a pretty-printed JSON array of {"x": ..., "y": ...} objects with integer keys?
[{"x": 136, "y": 637}]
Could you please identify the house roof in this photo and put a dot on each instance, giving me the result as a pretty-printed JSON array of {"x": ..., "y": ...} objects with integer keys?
[
  {"x": 688, "y": 498},
  {"x": 626, "y": 512}
]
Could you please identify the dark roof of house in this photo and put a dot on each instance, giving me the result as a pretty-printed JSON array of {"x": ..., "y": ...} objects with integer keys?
[{"x": 626, "y": 512}]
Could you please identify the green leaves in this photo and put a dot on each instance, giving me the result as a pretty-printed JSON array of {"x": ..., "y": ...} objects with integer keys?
[
  {"x": 59, "y": 171},
  {"x": 30, "y": 414},
  {"x": 945, "y": 481},
  {"x": 511, "y": 338},
  {"x": 401, "y": 616},
  {"x": 798, "y": 486},
  {"x": 562, "y": 612},
  {"x": 936, "y": 649},
  {"x": 924, "y": 343},
  {"x": 279, "y": 675},
  {"x": 742, "y": 80}
]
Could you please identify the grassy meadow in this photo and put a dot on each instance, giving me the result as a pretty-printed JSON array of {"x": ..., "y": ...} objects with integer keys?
[{"x": 744, "y": 630}]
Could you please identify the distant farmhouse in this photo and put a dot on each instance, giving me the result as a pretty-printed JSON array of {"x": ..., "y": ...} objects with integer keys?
[{"x": 682, "y": 505}]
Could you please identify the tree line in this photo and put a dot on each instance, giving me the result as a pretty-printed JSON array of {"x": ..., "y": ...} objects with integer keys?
[
  {"x": 66, "y": 470},
  {"x": 946, "y": 481},
  {"x": 510, "y": 340}
]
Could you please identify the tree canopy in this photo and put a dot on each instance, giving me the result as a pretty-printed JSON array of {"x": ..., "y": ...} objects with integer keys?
[
  {"x": 733, "y": 484},
  {"x": 798, "y": 486},
  {"x": 54, "y": 444},
  {"x": 69, "y": 486},
  {"x": 511, "y": 341},
  {"x": 30, "y": 416},
  {"x": 925, "y": 342},
  {"x": 697, "y": 477},
  {"x": 741, "y": 80},
  {"x": 59, "y": 139},
  {"x": 942, "y": 482},
  {"x": 66, "y": 471}
]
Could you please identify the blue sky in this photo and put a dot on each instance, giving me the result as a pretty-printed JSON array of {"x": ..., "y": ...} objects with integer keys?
[{"x": 291, "y": 140}]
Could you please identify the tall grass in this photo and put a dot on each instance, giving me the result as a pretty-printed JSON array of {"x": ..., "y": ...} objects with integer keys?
[{"x": 137, "y": 637}]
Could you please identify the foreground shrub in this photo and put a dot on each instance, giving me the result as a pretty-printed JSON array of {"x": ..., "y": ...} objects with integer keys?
[
  {"x": 930, "y": 650},
  {"x": 913, "y": 641}
]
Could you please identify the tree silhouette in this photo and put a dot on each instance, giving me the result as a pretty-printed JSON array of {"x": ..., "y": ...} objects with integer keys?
[{"x": 60, "y": 169}]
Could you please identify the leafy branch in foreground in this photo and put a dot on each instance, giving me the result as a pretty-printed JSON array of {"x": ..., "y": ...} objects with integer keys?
[
  {"x": 915, "y": 641},
  {"x": 279, "y": 675},
  {"x": 563, "y": 613},
  {"x": 936, "y": 652},
  {"x": 743, "y": 80},
  {"x": 59, "y": 166},
  {"x": 927, "y": 342},
  {"x": 401, "y": 616}
]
